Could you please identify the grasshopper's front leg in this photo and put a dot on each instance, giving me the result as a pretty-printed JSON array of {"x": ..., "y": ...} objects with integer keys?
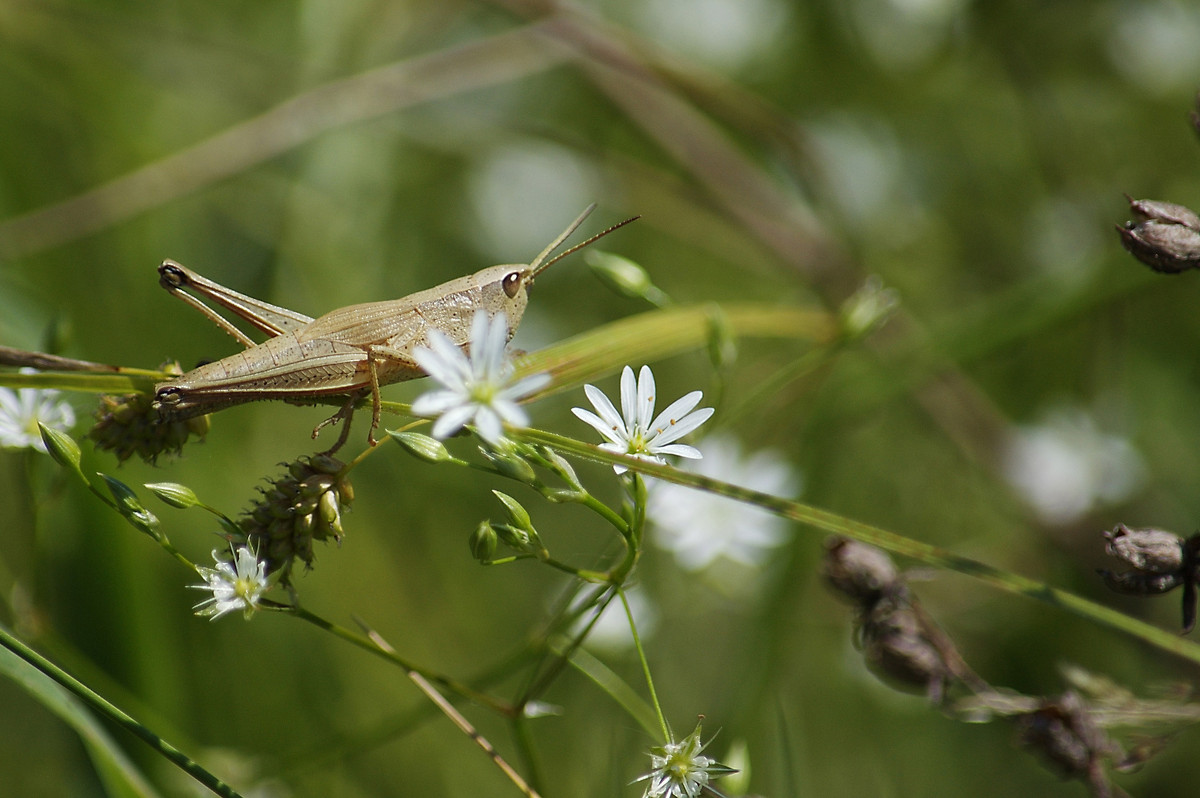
[{"x": 399, "y": 365}]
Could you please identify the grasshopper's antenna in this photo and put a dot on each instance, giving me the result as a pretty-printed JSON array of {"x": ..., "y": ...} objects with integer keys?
[{"x": 537, "y": 266}]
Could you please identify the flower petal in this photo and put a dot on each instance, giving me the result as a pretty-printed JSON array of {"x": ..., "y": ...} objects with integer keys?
[
  {"x": 682, "y": 427},
  {"x": 645, "y": 399},
  {"x": 452, "y": 420}
]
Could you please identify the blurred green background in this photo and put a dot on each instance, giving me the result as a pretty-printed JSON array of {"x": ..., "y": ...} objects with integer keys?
[{"x": 1038, "y": 386}]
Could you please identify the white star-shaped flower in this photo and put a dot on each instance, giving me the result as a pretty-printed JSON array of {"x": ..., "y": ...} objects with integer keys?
[
  {"x": 477, "y": 389},
  {"x": 636, "y": 430},
  {"x": 234, "y": 585},
  {"x": 22, "y": 409},
  {"x": 680, "y": 770}
]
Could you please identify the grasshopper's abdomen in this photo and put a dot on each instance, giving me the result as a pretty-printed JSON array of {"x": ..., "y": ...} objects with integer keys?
[{"x": 280, "y": 368}]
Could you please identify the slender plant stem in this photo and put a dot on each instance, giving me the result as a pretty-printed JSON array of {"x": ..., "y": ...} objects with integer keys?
[
  {"x": 637, "y": 644},
  {"x": 114, "y": 714},
  {"x": 897, "y": 544}
]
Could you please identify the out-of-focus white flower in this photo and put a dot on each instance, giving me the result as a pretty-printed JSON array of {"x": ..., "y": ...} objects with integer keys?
[
  {"x": 636, "y": 430},
  {"x": 611, "y": 633},
  {"x": 726, "y": 35},
  {"x": 1064, "y": 466},
  {"x": 22, "y": 409},
  {"x": 236, "y": 585},
  {"x": 699, "y": 527},
  {"x": 477, "y": 389},
  {"x": 679, "y": 770}
]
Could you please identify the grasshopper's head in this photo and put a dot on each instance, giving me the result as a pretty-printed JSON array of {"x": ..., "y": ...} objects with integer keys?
[{"x": 507, "y": 287}]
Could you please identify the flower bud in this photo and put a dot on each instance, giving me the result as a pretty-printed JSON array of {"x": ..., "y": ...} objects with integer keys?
[
  {"x": 483, "y": 542},
  {"x": 331, "y": 513},
  {"x": 128, "y": 505},
  {"x": 517, "y": 514},
  {"x": 1162, "y": 235},
  {"x": 562, "y": 467},
  {"x": 174, "y": 494},
  {"x": 423, "y": 446},
  {"x": 509, "y": 462},
  {"x": 514, "y": 538},
  {"x": 625, "y": 277},
  {"x": 61, "y": 446}
]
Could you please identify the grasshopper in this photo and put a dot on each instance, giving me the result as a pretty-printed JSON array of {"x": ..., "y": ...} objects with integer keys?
[{"x": 349, "y": 351}]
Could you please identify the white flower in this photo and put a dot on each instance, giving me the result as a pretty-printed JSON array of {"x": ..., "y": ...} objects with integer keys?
[
  {"x": 699, "y": 527},
  {"x": 476, "y": 389},
  {"x": 636, "y": 430},
  {"x": 1065, "y": 466},
  {"x": 680, "y": 770},
  {"x": 22, "y": 409},
  {"x": 234, "y": 586}
]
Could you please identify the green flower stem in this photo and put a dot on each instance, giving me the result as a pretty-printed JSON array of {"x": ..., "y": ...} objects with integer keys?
[
  {"x": 114, "y": 714},
  {"x": 364, "y": 642},
  {"x": 127, "y": 380},
  {"x": 637, "y": 644},
  {"x": 610, "y": 515},
  {"x": 597, "y": 577},
  {"x": 890, "y": 541}
]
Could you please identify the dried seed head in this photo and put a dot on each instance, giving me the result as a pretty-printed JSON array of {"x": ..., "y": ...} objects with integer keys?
[
  {"x": 1154, "y": 551},
  {"x": 303, "y": 505},
  {"x": 128, "y": 425},
  {"x": 857, "y": 571},
  {"x": 1140, "y": 583},
  {"x": 897, "y": 648},
  {"x": 1063, "y": 731},
  {"x": 1161, "y": 562},
  {"x": 1163, "y": 235}
]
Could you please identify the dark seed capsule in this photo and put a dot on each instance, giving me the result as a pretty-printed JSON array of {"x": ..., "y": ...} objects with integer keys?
[{"x": 1162, "y": 235}]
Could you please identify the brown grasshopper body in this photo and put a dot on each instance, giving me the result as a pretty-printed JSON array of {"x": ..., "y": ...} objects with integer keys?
[{"x": 349, "y": 351}]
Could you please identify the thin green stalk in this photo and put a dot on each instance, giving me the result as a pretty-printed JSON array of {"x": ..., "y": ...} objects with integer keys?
[
  {"x": 897, "y": 544},
  {"x": 114, "y": 714},
  {"x": 641, "y": 653}
]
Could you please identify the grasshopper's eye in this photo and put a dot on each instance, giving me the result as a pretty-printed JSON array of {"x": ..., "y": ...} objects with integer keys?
[{"x": 511, "y": 284}]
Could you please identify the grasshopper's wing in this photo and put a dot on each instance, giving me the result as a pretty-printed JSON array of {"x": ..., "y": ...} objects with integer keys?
[
  {"x": 280, "y": 368},
  {"x": 401, "y": 324}
]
